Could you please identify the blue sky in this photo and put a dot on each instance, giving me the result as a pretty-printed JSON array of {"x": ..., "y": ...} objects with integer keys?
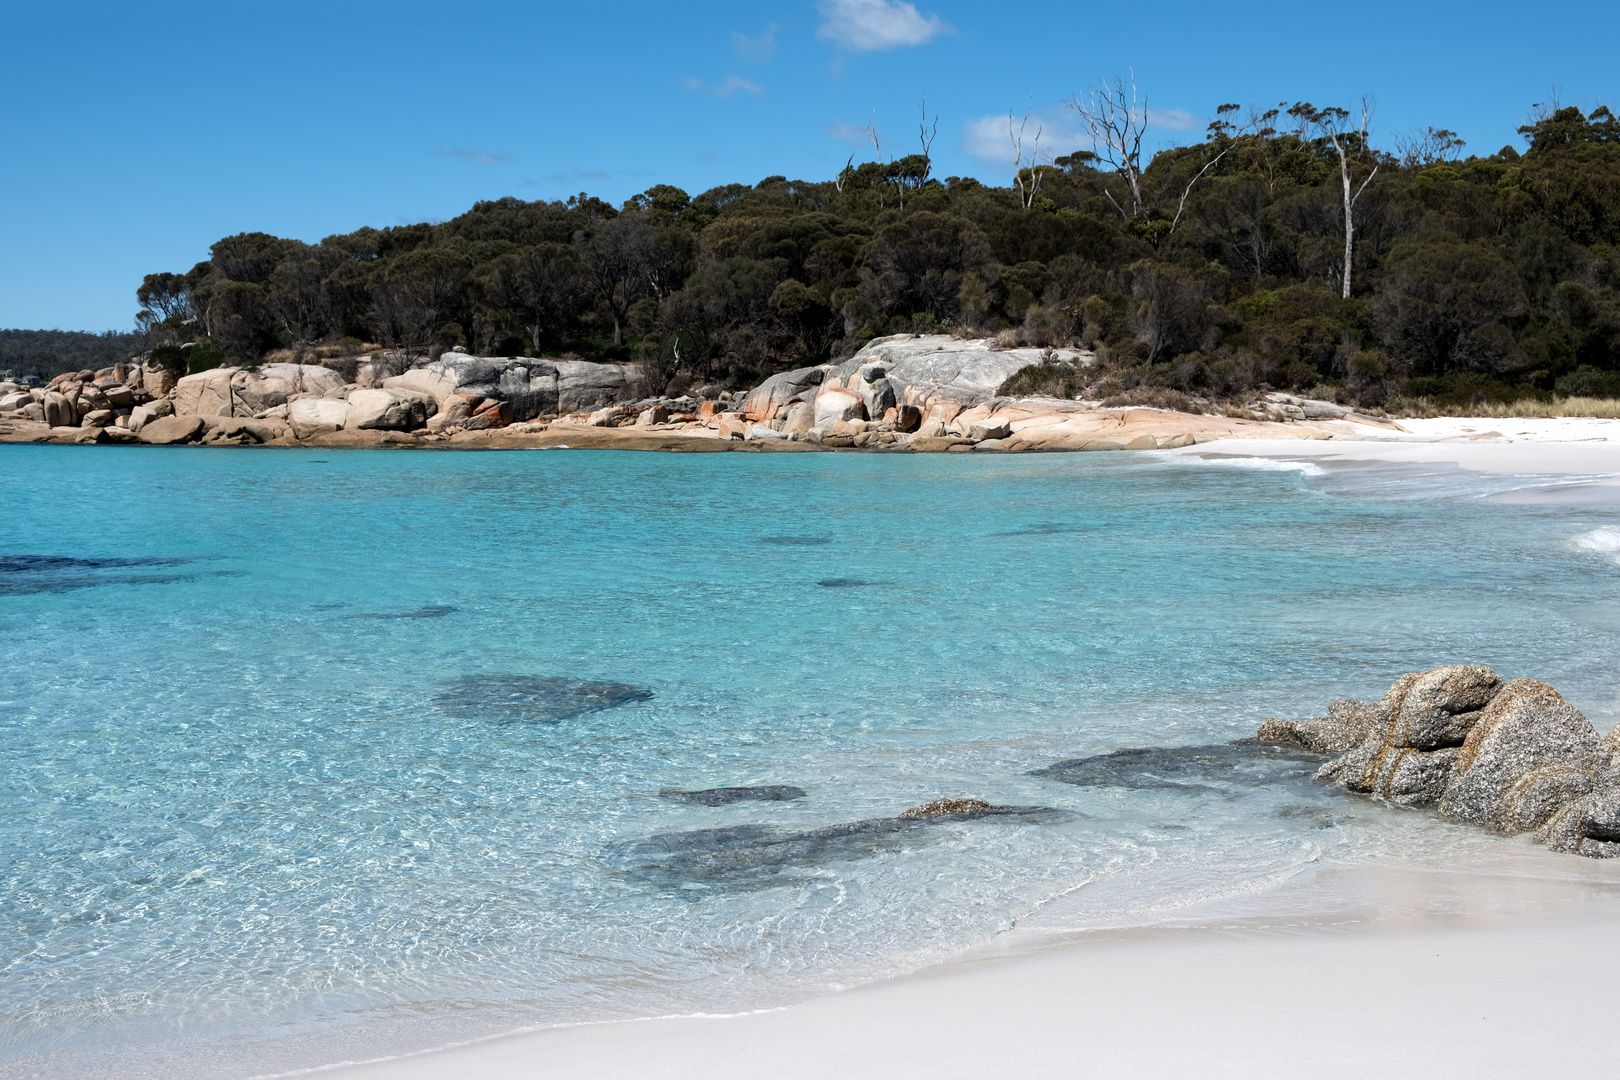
[{"x": 136, "y": 134}]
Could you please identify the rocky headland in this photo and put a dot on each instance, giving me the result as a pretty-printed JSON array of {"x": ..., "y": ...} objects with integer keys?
[
  {"x": 908, "y": 392},
  {"x": 1513, "y": 757}
]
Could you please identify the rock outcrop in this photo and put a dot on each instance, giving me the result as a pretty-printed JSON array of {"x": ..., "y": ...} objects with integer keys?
[
  {"x": 1512, "y": 757},
  {"x": 532, "y": 387}
]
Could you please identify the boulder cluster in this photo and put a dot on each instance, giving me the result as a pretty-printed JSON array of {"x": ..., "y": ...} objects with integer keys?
[
  {"x": 1514, "y": 756},
  {"x": 285, "y": 403},
  {"x": 907, "y": 392}
]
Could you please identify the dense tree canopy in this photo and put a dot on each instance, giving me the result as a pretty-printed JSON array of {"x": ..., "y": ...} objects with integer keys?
[{"x": 1212, "y": 269}]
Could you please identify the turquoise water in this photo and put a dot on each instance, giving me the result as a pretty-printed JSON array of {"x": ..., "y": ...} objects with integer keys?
[{"x": 285, "y": 781}]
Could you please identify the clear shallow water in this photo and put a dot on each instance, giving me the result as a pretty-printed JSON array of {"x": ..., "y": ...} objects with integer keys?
[{"x": 281, "y": 787}]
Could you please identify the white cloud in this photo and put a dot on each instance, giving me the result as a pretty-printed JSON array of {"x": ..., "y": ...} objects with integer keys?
[
  {"x": 845, "y": 132},
  {"x": 732, "y": 84},
  {"x": 1172, "y": 119},
  {"x": 477, "y": 157},
  {"x": 871, "y": 25},
  {"x": 756, "y": 50},
  {"x": 987, "y": 138}
]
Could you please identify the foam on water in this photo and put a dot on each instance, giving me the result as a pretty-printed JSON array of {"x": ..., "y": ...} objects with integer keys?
[
  {"x": 1263, "y": 464},
  {"x": 380, "y": 751},
  {"x": 1601, "y": 541}
]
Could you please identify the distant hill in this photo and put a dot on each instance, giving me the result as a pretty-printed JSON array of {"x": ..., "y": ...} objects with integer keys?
[{"x": 44, "y": 353}]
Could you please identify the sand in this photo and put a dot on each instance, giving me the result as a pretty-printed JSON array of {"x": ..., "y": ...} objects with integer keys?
[
  {"x": 1576, "y": 450},
  {"x": 1499, "y": 971}
]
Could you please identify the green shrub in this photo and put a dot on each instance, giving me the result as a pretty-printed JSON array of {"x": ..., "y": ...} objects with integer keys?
[{"x": 1589, "y": 382}]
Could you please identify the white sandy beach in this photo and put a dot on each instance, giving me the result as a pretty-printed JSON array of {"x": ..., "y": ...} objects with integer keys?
[
  {"x": 1576, "y": 447},
  {"x": 1501, "y": 972},
  {"x": 1498, "y": 971}
]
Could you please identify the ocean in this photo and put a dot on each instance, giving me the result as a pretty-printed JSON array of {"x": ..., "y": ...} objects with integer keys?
[{"x": 324, "y": 755}]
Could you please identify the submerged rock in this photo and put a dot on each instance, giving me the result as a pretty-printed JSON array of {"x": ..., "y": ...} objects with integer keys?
[
  {"x": 426, "y": 611},
  {"x": 532, "y": 698},
  {"x": 21, "y": 574},
  {"x": 739, "y": 855},
  {"x": 941, "y": 807},
  {"x": 1185, "y": 768},
  {"x": 722, "y": 795}
]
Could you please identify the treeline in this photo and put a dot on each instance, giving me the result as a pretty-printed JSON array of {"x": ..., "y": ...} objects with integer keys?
[
  {"x": 44, "y": 353},
  {"x": 1214, "y": 269}
]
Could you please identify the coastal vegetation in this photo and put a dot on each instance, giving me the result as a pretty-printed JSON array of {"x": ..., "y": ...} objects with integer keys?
[
  {"x": 1284, "y": 251},
  {"x": 44, "y": 353}
]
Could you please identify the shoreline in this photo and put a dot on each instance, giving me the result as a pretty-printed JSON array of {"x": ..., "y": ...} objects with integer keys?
[
  {"x": 1389, "y": 970},
  {"x": 1372, "y": 959}
]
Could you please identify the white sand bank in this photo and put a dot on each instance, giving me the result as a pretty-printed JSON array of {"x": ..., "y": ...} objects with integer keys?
[
  {"x": 1507, "y": 971},
  {"x": 1551, "y": 447}
]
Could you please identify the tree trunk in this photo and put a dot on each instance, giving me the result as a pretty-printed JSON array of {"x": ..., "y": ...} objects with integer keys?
[{"x": 1349, "y": 220}]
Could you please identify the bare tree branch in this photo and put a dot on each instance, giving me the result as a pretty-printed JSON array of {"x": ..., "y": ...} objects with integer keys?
[{"x": 1116, "y": 119}]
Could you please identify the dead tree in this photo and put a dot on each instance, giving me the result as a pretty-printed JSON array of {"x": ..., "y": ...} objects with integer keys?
[
  {"x": 1026, "y": 195},
  {"x": 926, "y": 134},
  {"x": 1333, "y": 123},
  {"x": 1116, "y": 119}
]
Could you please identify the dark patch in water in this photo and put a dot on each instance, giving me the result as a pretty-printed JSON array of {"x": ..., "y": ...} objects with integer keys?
[
  {"x": 1187, "y": 768},
  {"x": 720, "y": 796},
  {"x": 21, "y": 574},
  {"x": 511, "y": 699},
  {"x": 843, "y": 583},
  {"x": 1316, "y": 816},
  {"x": 796, "y": 541},
  {"x": 426, "y": 611},
  {"x": 756, "y": 855},
  {"x": 1039, "y": 530}
]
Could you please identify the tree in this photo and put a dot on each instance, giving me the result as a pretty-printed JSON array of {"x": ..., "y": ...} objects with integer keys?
[
  {"x": 1027, "y": 179},
  {"x": 1446, "y": 303},
  {"x": 1170, "y": 303},
  {"x": 1116, "y": 119},
  {"x": 540, "y": 287},
  {"x": 1347, "y": 141},
  {"x": 1431, "y": 146},
  {"x": 620, "y": 254},
  {"x": 410, "y": 299},
  {"x": 166, "y": 296},
  {"x": 296, "y": 296}
]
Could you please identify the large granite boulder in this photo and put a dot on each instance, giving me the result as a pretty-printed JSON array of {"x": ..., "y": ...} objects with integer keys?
[
  {"x": 532, "y": 387},
  {"x": 1440, "y": 707},
  {"x": 1513, "y": 758},
  {"x": 254, "y": 392},
  {"x": 392, "y": 409},
  {"x": 938, "y": 370},
  {"x": 169, "y": 430},
  {"x": 205, "y": 393},
  {"x": 310, "y": 417},
  {"x": 773, "y": 395},
  {"x": 835, "y": 405},
  {"x": 1527, "y": 755},
  {"x": 454, "y": 409},
  {"x": 59, "y": 411}
]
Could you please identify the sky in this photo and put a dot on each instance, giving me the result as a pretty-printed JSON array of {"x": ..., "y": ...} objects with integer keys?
[{"x": 136, "y": 134}]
